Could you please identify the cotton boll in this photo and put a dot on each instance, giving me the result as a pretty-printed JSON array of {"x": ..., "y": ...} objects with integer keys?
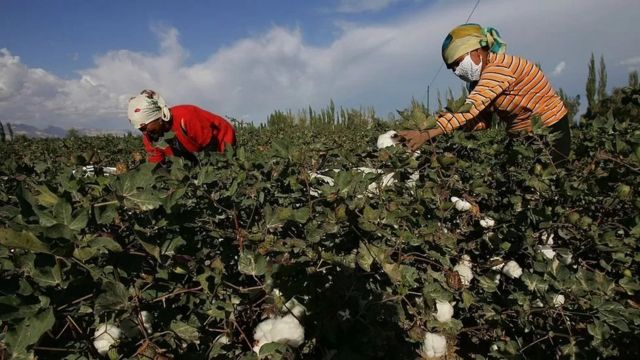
[
  {"x": 284, "y": 330},
  {"x": 512, "y": 270},
  {"x": 444, "y": 311},
  {"x": 496, "y": 279},
  {"x": 537, "y": 304},
  {"x": 466, "y": 275},
  {"x": 460, "y": 204},
  {"x": 413, "y": 178},
  {"x": 558, "y": 300},
  {"x": 487, "y": 223},
  {"x": 466, "y": 260},
  {"x": 105, "y": 336},
  {"x": 387, "y": 139},
  {"x": 387, "y": 180},
  {"x": 323, "y": 178},
  {"x": 546, "y": 251},
  {"x": 435, "y": 345},
  {"x": 547, "y": 238},
  {"x": 146, "y": 321}
]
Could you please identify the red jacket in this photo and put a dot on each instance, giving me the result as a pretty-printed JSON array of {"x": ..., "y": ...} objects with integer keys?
[{"x": 195, "y": 129}]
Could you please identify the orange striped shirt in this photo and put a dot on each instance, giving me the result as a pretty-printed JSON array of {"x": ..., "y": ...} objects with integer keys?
[{"x": 515, "y": 89}]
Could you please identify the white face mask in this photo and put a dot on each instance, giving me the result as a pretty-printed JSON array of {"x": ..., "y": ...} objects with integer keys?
[{"x": 467, "y": 70}]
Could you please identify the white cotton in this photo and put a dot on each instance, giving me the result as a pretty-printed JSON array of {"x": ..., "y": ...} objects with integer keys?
[
  {"x": 435, "y": 345},
  {"x": 494, "y": 347},
  {"x": 146, "y": 321},
  {"x": 558, "y": 300},
  {"x": 487, "y": 223},
  {"x": 461, "y": 205},
  {"x": 284, "y": 330},
  {"x": 466, "y": 275},
  {"x": 413, "y": 179},
  {"x": 387, "y": 180},
  {"x": 496, "y": 279},
  {"x": 466, "y": 260},
  {"x": 324, "y": 178},
  {"x": 547, "y": 238},
  {"x": 444, "y": 311},
  {"x": 512, "y": 269},
  {"x": 387, "y": 139},
  {"x": 546, "y": 251},
  {"x": 537, "y": 304},
  {"x": 105, "y": 336},
  {"x": 368, "y": 170}
]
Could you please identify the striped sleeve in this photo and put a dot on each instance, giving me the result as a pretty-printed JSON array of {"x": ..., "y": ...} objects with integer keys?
[{"x": 493, "y": 81}]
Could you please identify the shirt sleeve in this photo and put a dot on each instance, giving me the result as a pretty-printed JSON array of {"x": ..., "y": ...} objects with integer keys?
[
  {"x": 481, "y": 122},
  {"x": 155, "y": 155},
  {"x": 493, "y": 81}
]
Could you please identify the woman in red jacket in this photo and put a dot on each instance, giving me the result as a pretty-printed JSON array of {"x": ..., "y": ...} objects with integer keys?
[{"x": 195, "y": 129}]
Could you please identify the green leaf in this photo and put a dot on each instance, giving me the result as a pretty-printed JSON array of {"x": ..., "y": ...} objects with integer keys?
[
  {"x": 22, "y": 240},
  {"x": 364, "y": 257},
  {"x": 185, "y": 331},
  {"x": 152, "y": 249},
  {"x": 80, "y": 221},
  {"x": 28, "y": 332},
  {"x": 63, "y": 212},
  {"x": 629, "y": 285},
  {"x": 274, "y": 350},
  {"x": 252, "y": 264},
  {"x": 46, "y": 197},
  {"x": 114, "y": 297}
]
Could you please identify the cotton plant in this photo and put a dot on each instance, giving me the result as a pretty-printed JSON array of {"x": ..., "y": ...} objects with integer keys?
[{"x": 105, "y": 336}]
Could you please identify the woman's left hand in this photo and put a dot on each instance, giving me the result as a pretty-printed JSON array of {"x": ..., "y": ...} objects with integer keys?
[{"x": 415, "y": 139}]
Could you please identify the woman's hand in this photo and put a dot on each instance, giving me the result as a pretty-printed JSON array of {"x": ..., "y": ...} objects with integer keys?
[{"x": 414, "y": 139}]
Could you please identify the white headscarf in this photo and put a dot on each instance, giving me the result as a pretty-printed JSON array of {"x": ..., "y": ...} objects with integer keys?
[{"x": 146, "y": 107}]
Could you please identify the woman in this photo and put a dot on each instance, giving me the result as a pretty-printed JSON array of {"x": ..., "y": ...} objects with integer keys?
[
  {"x": 195, "y": 129},
  {"x": 511, "y": 87}
]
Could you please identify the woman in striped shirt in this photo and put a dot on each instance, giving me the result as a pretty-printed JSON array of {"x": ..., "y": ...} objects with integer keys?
[{"x": 512, "y": 87}]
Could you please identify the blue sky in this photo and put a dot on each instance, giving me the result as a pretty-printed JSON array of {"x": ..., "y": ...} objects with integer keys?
[{"x": 74, "y": 63}]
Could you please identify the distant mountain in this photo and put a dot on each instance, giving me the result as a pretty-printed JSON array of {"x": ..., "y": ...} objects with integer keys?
[{"x": 58, "y": 132}]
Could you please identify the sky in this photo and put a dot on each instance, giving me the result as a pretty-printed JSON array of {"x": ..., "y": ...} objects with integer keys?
[{"x": 75, "y": 63}]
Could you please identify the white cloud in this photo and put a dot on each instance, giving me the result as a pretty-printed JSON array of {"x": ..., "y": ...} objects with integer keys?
[
  {"x": 382, "y": 65},
  {"x": 631, "y": 63},
  {"x": 358, "y": 6},
  {"x": 559, "y": 68}
]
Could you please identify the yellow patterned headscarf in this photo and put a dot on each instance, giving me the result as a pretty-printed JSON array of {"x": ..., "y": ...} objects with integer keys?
[{"x": 468, "y": 37}]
